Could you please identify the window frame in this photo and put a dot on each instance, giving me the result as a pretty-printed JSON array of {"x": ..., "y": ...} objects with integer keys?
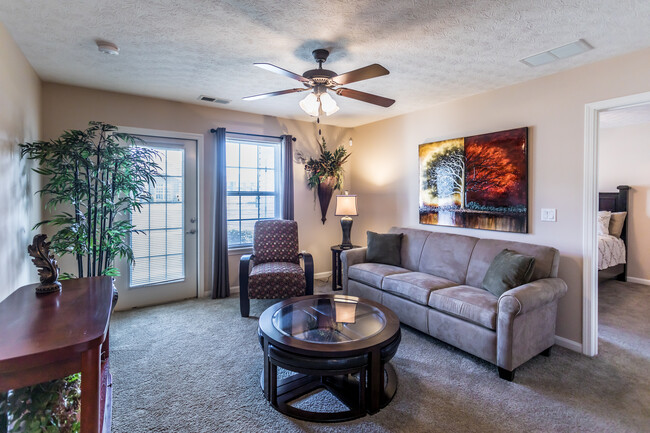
[{"x": 277, "y": 192}]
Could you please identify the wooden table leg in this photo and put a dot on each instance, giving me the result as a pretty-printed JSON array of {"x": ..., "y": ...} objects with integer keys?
[
  {"x": 90, "y": 386},
  {"x": 334, "y": 271},
  {"x": 375, "y": 382}
]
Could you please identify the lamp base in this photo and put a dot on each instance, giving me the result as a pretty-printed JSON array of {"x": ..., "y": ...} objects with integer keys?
[{"x": 346, "y": 228}]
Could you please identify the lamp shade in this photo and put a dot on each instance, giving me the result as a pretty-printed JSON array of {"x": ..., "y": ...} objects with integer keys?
[
  {"x": 310, "y": 104},
  {"x": 328, "y": 104},
  {"x": 346, "y": 205}
]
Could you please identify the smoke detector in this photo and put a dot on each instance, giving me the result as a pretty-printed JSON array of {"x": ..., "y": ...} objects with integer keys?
[{"x": 108, "y": 48}]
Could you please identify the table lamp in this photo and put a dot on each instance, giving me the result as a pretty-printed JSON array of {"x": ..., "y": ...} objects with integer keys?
[{"x": 346, "y": 206}]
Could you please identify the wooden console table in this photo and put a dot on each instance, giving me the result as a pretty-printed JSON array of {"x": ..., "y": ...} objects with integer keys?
[{"x": 46, "y": 337}]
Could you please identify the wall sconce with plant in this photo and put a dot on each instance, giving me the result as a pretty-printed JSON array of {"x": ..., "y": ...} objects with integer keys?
[{"x": 326, "y": 174}]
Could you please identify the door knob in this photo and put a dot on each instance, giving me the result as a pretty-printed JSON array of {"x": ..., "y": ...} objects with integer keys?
[
  {"x": 191, "y": 232},
  {"x": 192, "y": 220}
]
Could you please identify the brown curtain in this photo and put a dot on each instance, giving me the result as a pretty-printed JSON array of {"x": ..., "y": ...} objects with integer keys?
[
  {"x": 287, "y": 177},
  {"x": 220, "y": 276}
]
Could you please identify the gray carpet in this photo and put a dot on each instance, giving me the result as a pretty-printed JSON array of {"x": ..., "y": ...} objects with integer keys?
[{"x": 194, "y": 366}]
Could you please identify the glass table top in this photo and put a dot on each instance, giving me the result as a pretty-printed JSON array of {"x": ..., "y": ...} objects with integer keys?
[{"x": 336, "y": 319}]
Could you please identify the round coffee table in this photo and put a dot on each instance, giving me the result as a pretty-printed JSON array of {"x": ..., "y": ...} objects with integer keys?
[{"x": 334, "y": 342}]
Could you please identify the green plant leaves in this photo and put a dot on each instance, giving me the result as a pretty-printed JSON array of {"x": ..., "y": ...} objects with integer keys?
[
  {"x": 98, "y": 176},
  {"x": 327, "y": 165}
]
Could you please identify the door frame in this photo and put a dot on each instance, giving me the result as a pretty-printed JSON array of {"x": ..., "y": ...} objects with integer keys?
[
  {"x": 200, "y": 183},
  {"x": 589, "y": 216}
]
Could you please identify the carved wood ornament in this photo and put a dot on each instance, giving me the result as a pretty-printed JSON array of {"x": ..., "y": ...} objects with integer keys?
[{"x": 48, "y": 268}]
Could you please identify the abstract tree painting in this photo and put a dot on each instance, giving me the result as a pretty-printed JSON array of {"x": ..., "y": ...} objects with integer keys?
[{"x": 476, "y": 182}]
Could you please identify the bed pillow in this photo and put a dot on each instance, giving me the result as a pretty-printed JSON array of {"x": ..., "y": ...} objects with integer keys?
[
  {"x": 508, "y": 270},
  {"x": 616, "y": 223},
  {"x": 384, "y": 248},
  {"x": 603, "y": 222}
]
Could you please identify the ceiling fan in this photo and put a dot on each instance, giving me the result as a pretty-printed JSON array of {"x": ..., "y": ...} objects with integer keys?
[{"x": 320, "y": 80}]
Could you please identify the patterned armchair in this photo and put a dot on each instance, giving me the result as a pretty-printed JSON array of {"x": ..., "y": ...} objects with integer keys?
[{"x": 273, "y": 270}]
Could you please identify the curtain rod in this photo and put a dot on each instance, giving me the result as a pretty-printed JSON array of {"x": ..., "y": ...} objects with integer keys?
[{"x": 252, "y": 135}]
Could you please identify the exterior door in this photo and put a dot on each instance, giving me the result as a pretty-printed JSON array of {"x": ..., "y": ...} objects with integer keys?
[{"x": 165, "y": 246}]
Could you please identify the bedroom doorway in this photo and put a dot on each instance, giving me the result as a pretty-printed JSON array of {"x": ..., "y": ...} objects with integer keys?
[{"x": 596, "y": 115}]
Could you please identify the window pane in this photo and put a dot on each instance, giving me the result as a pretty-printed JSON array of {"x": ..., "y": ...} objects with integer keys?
[
  {"x": 232, "y": 154},
  {"x": 266, "y": 157},
  {"x": 175, "y": 241},
  {"x": 158, "y": 242},
  {"x": 249, "y": 207},
  {"x": 248, "y": 156},
  {"x": 141, "y": 219},
  {"x": 267, "y": 180},
  {"x": 174, "y": 163},
  {"x": 175, "y": 215},
  {"x": 157, "y": 269},
  {"x": 157, "y": 218},
  {"x": 232, "y": 207},
  {"x": 158, "y": 191},
  {"x": 248, "y": 180},
  {"x": 247, "y": 232},
  {"x": 175, "y": 268},
  {"x": 140, "y": 272},
  {"x": 233, "y": 233},
  {"x": 140, "y": 244},
  {"x": 232, "y": 179},
  {"x": 267, "y": 206},
  {"x": 174, "y": 189}
]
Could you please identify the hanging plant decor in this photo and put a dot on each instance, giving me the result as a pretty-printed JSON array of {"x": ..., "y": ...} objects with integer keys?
[{"x": 326, "y": 174}]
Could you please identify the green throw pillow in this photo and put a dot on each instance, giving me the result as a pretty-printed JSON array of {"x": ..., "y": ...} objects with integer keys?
[
  {"x": 384, "y": 248},
  {"x": 507, "y": 271}
]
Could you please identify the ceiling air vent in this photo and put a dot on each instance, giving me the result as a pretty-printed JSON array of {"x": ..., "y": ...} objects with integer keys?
[
  {"x": 213, "y": 99},
  {"x": 574, "y": 48}
]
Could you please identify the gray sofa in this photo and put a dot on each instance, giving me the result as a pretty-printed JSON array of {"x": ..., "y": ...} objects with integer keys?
[{"x": 437, "y": 290}]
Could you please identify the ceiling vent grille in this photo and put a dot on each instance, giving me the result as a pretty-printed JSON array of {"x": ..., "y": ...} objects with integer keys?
[
  {"x": 213, "y": 99},
  {"x": 574, "y": 48}
]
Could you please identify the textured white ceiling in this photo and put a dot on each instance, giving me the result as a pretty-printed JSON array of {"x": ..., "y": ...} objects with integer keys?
[
  {"x": 634, "y": 115},
  {"x": 436, "y": 50}
]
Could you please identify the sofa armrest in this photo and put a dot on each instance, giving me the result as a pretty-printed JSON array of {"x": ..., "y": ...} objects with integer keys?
[
  {"x": 531, "y": 296},
  {"x": 349, "y": 258}
]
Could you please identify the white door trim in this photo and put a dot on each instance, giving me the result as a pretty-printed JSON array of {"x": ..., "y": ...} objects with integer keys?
[
  {"x": 202, "y": 223},
  {"x": 589, "y": 211}
]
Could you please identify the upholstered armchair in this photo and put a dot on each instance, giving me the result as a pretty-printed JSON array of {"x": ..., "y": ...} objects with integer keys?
[{"x": 273, "y": 270}]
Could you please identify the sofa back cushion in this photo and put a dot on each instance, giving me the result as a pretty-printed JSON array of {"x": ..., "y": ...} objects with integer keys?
[
  {"x": 547, "y": 259},
  {"x": 447, "y": 255},
  {"x": 412, "y": 244}
]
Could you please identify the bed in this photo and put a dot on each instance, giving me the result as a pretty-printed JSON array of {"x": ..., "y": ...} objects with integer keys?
[{"x": 612, "y": 250}]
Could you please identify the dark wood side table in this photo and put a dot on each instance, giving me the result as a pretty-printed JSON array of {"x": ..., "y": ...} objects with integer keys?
[
  {"x": 337, "y": 272},
  {"x": 54, "y": 335}
]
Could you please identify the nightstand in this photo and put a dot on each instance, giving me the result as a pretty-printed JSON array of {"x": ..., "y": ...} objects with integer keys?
[{"x": 337, "y": 272}]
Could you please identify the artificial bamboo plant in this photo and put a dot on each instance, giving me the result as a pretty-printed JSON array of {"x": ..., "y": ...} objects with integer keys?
[{"x": 94, "y": 178}]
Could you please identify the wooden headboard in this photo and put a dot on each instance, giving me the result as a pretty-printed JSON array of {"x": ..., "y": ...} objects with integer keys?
[{"x": 617, "y": 202}]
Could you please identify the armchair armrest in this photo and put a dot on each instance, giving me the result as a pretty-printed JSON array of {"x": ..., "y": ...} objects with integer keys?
[
  {"x": 349, "y": 258},
  {"x": 531, "y": 296},
  {"x": 308, "y": 262},
  {"x": 244, "y": 270}
]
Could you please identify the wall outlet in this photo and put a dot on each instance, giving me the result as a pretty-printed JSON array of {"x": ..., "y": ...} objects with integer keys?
[{"x": 549, "y": 215}]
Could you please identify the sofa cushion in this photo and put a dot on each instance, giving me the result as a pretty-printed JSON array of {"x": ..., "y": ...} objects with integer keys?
[
  {"x": 507, "y": 271},
  {"x": 372, "y": 274},
  {"x": 412, "y": 244},
  {"x": 470, "y": 303},
  {"x": 414, "y": 286},
  {"x": 447, "y": 255},
  {"x": 384, "y": 248},
  {"x": 547, "y": 259}
]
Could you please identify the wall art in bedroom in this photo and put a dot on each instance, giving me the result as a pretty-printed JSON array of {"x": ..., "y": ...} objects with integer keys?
[{"x": 478, "y": 182}]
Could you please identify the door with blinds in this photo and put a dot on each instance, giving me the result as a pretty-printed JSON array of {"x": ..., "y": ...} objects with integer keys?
[{"x": 165, "y": 242}]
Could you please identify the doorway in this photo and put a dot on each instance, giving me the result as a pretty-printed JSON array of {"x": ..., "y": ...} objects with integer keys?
[
  {"x": 165, "y": 243},
  {"x": 590, "y": 209}
]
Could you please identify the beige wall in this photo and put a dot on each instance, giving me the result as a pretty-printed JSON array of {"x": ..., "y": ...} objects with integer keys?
[
  {"x": 20, "y": 90},
  {"x": 69, "y": 107},
  {"x": 385, "y": 169},
  {"x": 623, "y": 159}
]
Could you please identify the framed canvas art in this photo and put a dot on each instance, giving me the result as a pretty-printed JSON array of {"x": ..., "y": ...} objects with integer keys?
[{"x": 478, "y": 182}]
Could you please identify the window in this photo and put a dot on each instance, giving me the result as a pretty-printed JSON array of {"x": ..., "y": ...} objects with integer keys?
[
  {"x": 159, "y": 246},
  {"x": 253, "y": 186}
]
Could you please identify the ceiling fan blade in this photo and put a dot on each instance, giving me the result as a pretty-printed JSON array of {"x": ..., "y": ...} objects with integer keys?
[
  {"x": 365, "y": 97},
  {"x": 371, "y": 71},
  {"x": 279, "y": 70},
  {"x": 279, "y": 92}
]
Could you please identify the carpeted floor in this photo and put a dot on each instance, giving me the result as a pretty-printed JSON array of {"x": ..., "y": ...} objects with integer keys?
[{"x": 194, "y": 366}]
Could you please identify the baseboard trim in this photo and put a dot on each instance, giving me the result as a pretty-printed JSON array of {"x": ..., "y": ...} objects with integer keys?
[
  {"x": 322, "y": 275},
  {"x": 638, "y": 281},
  {"x": 568, "y": 344}
]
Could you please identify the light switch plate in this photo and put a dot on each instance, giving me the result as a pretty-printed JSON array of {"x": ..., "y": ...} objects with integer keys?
[{"x": 549, "y": 215}]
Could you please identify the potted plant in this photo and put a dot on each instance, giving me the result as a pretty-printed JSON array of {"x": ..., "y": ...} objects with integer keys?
[
  {"x": 326, "y": 174},
  {"x": 94, "y": 179}
]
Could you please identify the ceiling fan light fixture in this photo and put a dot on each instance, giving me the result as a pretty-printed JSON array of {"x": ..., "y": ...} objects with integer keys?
[
  {"x": 310, "y": 104},
  {"x": 328, "y": 104}
]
